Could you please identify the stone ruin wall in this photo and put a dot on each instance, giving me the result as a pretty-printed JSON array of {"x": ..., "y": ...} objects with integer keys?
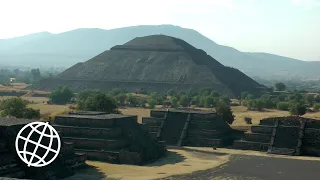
[
  {"x": 196, "y": 128},
  {"x": 110, "y": 138},
  {"x": 283, "y": 135}
]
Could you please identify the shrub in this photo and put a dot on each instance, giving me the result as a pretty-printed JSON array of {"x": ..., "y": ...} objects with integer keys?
[
  {"x": 99, "y": 102},
  {"x": 62, "y": 95},
  {"x": 184, "y": 101},
  {"x": 297, "y": 108},
  {"x": 174, "y": 102},
  {"x": 17, "y": 107},
  {"x": 283, "y": 106},
  {"x": 152, "y": 103},
  {"x": 248, "y": 120},
  {"x": 225, "y": 111},
  {"x": 316, "y": 107}
]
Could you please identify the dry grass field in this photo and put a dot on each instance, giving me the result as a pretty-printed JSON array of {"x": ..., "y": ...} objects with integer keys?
[{"x": 239, "y": 111}]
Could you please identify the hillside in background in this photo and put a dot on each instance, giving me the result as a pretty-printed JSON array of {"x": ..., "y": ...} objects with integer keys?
[{"x": 68, "y": 48}]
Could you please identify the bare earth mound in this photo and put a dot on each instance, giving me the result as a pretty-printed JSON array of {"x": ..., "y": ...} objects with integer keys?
[{"x": 154, "y": 63}]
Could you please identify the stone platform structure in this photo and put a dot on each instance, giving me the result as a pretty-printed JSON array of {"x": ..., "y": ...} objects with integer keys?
[
  {"x": 188, "y": 128},
  {"x": 112, "y": 138},
  {"x": 12, "y": 167},
  {"x": 283, "y": 135}
]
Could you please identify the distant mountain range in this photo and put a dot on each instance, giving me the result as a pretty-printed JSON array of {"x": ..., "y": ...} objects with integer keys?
[{"x": 68, "y": 48}]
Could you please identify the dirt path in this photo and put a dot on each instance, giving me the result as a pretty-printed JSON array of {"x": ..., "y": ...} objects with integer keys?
[
  {"x": 177, "y": 162},
  {"x": 244, "y": 167}
]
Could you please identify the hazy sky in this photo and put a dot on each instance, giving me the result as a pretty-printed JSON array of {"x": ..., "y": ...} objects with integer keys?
[{"x": 285, "y": 27}]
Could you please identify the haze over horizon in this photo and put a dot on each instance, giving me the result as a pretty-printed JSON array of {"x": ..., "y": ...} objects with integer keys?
[{"x": 286, "y": 28}]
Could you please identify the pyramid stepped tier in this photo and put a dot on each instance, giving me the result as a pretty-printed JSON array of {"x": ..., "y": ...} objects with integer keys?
[
  {"x": 111, "y": 138},
  {"x": 290, "y": 135},
  {"x": 73, "y": 131},
  {"x": 147, "y": 63},
  {"x": 12, "y": 166},
  {"x": 191, "y": 128}
]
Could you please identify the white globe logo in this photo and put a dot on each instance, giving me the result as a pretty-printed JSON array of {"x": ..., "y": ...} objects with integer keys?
[{"x": 38, "y": 144}]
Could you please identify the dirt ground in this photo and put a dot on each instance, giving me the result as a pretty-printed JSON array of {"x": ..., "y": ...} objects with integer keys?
[
  {"x": 244, "y": 167},
  {"x": 183, "y": 163},
  {"x": 177, "y": 162}
]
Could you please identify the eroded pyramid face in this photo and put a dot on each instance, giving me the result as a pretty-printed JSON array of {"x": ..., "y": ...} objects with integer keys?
[{"x": 155, "y": 63}]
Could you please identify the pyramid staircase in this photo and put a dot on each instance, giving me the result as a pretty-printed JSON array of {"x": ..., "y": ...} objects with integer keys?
[
  {"x": 112, "y": 138},
  {"x": 188, "y": 128}
]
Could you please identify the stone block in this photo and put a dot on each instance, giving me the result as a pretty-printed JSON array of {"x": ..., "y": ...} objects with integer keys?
[
  {"x": 247, "y": 145},
  {"x": 96, "y": 144},
  {"x": 254, "y": 137},
  {"x": 262, "y": 129},
  {"x": 151, "y": 121},
  {"x": 105, "y": 156},
  {"x": 203, "y": 142},
  {"x": 133, "y": 158}
]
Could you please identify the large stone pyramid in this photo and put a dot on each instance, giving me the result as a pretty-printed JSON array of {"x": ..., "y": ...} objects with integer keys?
[{"x": 154, "y": 63}]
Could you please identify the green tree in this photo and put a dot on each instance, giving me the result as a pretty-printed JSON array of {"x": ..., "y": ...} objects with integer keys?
[
  {"x": 195, "y": 100},
  {"x": 132, "y": 100},
  {"x": 83, "y": 95},
  {"x": 310, "y": 99},
  {"x": 297, "y": 108},
  {"x": 99, "y": 102},
  {"x": 184, "y": 101},
  {"x": 152, "y": 103},
  {"x": 121, "y": 98},
  {"x": 225, "y": 111},
  {"x": 208, "y": 102},
  {"x": 244, "y": 95},
  {"x": 62, "y": 95},
  {"x": 316, "y": 107},
  {"x": 174, "y": 102},
  {"x": 281, "y": 97},
  {"x": 30, "y": 113},
  {"x": 17, "y": 107},
  {"x": 280, "y": 87},
  {"x": 283, "y": 106}
]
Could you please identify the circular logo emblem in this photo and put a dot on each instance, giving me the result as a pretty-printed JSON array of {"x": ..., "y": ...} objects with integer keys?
[{"x": 38, "y": 144}]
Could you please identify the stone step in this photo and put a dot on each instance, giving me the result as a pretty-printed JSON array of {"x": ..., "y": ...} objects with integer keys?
[
  {"x": 248, "y": 145},
  {"x": 203, "y": 142},
  {"x": 105, "y": 156},
  {"x": 262, "y": 129},
  {"x": 18, "y": 173},
  {"x": 310, "y": 150},
  {"x": 203, "y": 125},
  {"x": 67, "y": 148},
  {"x": 3, "y": 146},
  {"x": 9, "y": 170},
  {"x": 86, "y": 121},
  {"x": 150, "y": 127},
  {"x": 151, "y": 121},
  {"x": 157, "y": 113},
  {"x": 8, "y": 166},
  {"x": 204, "y": 133},
  {"x": 7, "y": 158},
  {"x": 73, "y": 131},
  {"x": 256, "y": 137},
  {"x": 153, "y": 135},
  {"x": 281, "y": 151},
  {"x": 78, "y": 159},
  {"x": 97, "y": 144}
]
